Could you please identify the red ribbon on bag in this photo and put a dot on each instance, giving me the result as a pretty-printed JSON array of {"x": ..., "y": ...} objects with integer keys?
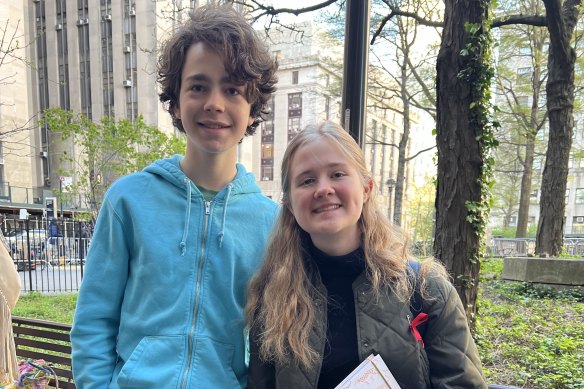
[{"x": 421, "y": 318}]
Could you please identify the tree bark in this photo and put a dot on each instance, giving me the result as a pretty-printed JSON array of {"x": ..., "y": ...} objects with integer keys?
[
  {"x": 560, "y": 105},
  {"x": 460, "y": 161}
]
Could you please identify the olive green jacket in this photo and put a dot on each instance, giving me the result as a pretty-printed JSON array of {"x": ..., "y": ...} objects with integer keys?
[{"x": 448, "y": 359}]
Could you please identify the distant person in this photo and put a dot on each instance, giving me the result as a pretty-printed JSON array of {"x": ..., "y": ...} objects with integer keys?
[
  {"x": 336, "y": 285},
  {"x": 54, "y": 231},
  {"x": 9, "y": 292},
  {"x": 161, "y": 303}
]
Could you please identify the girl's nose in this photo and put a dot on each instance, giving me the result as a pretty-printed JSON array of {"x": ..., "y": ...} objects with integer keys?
[{"x": 324, "y": 189}]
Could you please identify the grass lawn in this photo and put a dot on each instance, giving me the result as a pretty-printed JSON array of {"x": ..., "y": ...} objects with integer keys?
[{"x": 528, "y": 337}]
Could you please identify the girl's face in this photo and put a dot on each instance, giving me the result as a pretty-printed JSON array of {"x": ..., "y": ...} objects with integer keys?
[{"x": 326, "y": 196}]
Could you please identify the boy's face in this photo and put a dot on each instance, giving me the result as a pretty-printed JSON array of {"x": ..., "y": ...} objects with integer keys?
[{"x": 214, "y": 111}]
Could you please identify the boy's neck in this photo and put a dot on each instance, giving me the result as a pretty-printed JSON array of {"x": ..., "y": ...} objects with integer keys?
[{"x": 212, "y": 172}]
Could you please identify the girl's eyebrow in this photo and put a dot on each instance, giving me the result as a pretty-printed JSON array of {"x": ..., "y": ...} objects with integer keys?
[{"x": 328, "y": 166}]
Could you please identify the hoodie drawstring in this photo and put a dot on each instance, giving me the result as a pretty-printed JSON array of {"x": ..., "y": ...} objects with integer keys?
[
  {"x": 222, "y": 232},
  {"x": 183, "y": 242}
]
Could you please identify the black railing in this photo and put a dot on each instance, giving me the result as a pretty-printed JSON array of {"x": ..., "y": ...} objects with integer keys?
[{"x": 49, "y": 255}]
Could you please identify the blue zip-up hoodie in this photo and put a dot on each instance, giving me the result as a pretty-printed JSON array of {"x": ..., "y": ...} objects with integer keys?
[{"x": 162, "y": 298}]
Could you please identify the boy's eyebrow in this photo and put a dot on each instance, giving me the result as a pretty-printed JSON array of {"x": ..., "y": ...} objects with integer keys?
[{"x": 205, "y": 78}]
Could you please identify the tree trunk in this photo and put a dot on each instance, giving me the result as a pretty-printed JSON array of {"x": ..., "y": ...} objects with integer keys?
[
  {"x": 525, "y": 194},
  {"x": 460, "y": 160},
  {"x": 530, "y": 135},
  {"x": 560, "y": 105},
  {"x": 403, "y": 149}
]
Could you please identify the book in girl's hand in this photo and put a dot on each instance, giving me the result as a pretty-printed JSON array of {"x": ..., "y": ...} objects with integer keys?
[{"x": 372, "y": 373}]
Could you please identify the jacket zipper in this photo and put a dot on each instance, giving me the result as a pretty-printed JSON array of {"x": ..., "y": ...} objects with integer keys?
[{"x": 197, "y": 289}]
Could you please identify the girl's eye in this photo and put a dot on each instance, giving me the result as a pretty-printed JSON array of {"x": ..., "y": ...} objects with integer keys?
[
  {"x": 307, "y": 181},
  {"x": 338, "y": 174}
]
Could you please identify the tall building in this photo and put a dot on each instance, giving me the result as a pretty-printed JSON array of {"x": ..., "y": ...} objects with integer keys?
[
  {"x": 92, "y": 57},
  {"x": 99, "y": 58}
]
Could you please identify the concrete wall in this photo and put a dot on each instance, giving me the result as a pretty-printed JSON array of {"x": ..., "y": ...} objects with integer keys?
[{"x": 556, "y": 271}]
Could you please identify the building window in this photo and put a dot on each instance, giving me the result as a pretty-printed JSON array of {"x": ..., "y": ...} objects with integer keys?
[
  {"x": 523, "y": 101},
  {"x": 267, "y": 173},
  {"x": 295, "y": 104},
  {"x": 267, "y": 152},
  {"x": 523, "y": 75},
  {"x": 293, "y": 127},
  {"x": 295, "y": 77},
  {"x": 294, "y": 114},
  {"x": 580, "y": 196}
]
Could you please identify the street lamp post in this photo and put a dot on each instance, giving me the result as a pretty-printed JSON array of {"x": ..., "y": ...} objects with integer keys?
[{"x": 390, "y": 185}]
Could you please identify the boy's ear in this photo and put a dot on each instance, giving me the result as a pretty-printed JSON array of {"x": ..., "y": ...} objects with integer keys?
[{"x": 176, "y": 111}]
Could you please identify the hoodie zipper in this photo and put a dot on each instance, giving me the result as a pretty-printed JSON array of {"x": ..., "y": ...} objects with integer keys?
[{"x": 197, "y": 290}]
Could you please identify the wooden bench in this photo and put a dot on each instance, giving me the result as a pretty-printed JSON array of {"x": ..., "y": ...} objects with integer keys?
[{"x": 41, "y": 339}]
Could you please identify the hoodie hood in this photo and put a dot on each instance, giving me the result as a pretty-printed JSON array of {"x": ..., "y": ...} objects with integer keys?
[{"x": 169, "y": 169}]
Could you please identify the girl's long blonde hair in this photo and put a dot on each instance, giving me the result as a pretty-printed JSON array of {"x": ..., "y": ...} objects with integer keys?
[{"x": 280, "y": 308}]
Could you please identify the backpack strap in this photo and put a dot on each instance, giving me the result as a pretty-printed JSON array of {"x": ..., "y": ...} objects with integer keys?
[
  {"x": 418, "y": 321},
  {"x": 416, "y": 299}
]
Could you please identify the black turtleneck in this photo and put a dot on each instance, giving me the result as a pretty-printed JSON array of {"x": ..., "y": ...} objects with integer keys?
[{"x": 337, "y": 274}]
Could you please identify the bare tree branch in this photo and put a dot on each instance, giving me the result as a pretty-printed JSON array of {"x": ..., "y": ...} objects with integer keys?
[{"x": 534, "y": 20}]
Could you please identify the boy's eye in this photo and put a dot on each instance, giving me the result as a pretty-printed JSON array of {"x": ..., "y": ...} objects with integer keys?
[
  {"x": 233, "y": 91},
  {"x": 197, "y": 88}
]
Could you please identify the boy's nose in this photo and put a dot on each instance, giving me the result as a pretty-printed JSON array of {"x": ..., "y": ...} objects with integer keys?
[{"x": 214, "y": 102}]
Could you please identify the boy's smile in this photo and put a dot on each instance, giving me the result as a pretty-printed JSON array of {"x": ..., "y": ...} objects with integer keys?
[{"x": 213, "y": 110}]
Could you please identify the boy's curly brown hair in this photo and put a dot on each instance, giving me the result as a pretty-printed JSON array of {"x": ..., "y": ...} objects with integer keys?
[{"x": 245, "y": 56}]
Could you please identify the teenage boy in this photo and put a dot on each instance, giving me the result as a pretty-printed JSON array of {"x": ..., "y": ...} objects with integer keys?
[{"x": 162, "y": 300}]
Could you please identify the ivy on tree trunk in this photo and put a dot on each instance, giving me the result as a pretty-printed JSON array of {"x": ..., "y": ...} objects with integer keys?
[{"x": 464, "y": 139}]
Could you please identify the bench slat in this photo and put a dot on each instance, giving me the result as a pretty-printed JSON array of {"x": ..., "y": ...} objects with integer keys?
[
  {"x": 41, "y": 333},
  {"x": 41, "y": 344},
  {"x": 41, "y": 323},
  {"x": 32, "y": 354}
]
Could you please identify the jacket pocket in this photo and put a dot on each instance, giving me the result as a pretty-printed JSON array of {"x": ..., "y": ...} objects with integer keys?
[{"x": 155, "y": 362}]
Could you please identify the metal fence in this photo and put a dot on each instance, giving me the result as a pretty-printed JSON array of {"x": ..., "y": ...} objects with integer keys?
[
  {"x": 48, "y": 254},
  {"x": 524, "y": 247}
]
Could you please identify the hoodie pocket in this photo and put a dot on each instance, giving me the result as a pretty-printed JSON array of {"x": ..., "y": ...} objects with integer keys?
[
  {"x": 155, "y": 362},
  {"x": 214, "y": 365}
]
